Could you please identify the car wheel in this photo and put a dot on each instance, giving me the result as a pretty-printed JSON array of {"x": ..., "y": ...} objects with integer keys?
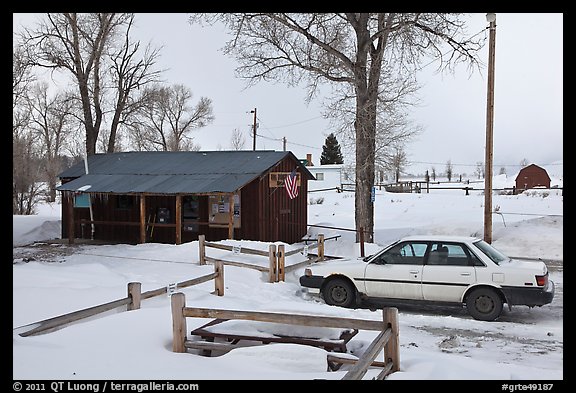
[
  {"x": 484, "y": 304},
  {"x": 339, "y": 292}
]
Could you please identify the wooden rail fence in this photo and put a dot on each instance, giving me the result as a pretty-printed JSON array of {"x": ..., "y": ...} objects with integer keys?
[
  {"x": 132, "y": 301},
  {"x": 276, "y": 268},
  {"x": 386, "y": 341}
]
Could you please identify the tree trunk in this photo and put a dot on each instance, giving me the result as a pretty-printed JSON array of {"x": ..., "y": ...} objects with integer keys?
[
  {"x": 52, "y": 190},
  {"x": 91, "y": 132},
  {"x": 365, "y": 128},
  {"x": 365, "y": 125},
  {"x": 114, "y": 126}
]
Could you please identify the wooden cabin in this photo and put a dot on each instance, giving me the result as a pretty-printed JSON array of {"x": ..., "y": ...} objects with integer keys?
[
  {"x": 532, "y": 176},
  {"x": 172, "y": 197}
]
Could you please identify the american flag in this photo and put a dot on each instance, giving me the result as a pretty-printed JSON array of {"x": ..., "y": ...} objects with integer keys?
[{"x": 291, "y": 184}]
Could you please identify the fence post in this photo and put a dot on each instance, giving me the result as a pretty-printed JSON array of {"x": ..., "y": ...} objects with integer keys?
[
  {"x": 281, "y": 263},
  {"x": 392, "y": 346},
  {"x": 134, "y": 292},
  {"x": 219, "y": 279},
  {"x": 178, "y": 301},
  {"x": 320, "y": 247},
  {"x": 362, "y": 242},
  {"x": 202, "y": 249},
  {"x": 272, "y": 263}
]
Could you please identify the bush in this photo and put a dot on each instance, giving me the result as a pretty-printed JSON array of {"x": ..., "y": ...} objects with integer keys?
[{"x": 317, "y": 201}]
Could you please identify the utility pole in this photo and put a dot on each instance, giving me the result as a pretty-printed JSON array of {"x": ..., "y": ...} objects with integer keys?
[
  {"x": 491, "y": 18},
  {"x": 254, "y": 129}
]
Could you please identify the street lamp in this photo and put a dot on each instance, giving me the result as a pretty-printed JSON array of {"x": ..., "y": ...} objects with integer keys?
[{"x": 491, "y": 18}]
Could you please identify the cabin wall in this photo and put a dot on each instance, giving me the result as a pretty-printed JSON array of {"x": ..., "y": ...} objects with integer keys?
[{"x": 267, "y": 214}]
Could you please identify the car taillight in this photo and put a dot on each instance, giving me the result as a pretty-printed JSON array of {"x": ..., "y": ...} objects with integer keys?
[{"x": 541, "y": 281}]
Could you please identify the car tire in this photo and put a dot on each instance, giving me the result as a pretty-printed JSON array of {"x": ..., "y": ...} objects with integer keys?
[
  {"x": 339, "y": 292},
  {"x": 484, "y": 304}
]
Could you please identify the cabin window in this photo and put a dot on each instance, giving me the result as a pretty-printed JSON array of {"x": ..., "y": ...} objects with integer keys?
[
  {"x": 124, "y": 202},
  {"x": 82, "y": 200},
  {"x": 320, "y": 176}
]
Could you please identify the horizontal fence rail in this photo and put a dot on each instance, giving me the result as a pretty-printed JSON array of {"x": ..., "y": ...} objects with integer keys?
[
  {"x": 65, "y": 319},
  {"x": 132, "y": 301}
]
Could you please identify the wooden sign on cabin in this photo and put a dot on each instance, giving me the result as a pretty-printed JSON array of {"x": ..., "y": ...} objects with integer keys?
[{"x": 276, "y": 179}]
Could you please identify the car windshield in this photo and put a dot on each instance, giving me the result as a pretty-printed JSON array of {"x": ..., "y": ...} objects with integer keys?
[
  {"x": 496, "y": 256},
  {"x": 369, "y": 257}
]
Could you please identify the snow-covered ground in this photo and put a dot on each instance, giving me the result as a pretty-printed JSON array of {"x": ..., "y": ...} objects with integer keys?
[{"x": 524, "y": 344}]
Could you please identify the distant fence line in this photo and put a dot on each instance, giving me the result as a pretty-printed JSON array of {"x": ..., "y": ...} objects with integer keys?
[{"x": 419, "y": 186}]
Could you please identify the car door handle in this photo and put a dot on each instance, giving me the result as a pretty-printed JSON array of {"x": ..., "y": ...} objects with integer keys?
[
  {"x": 465, "y": 274},
  {"x": 414, "y": 272}
]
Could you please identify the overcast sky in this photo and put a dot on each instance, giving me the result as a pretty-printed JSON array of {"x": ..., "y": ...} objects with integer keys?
[{"x": 528, "y": 113}]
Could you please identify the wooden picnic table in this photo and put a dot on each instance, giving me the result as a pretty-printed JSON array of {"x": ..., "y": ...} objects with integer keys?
[{"x": 207, "y": 344}]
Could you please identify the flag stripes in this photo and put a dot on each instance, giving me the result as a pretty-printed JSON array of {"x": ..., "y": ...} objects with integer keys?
[{"x": 291, "y": 184}]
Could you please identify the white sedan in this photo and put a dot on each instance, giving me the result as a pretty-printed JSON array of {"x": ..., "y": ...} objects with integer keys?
[{"x": 437, "y": 269}]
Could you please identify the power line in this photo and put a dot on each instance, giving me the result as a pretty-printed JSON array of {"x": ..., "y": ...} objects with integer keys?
[
  {"x": 133, "y": 258},
  {"x": 299, "y": 144},
  {"x": 265, "y": 127},
  {"x": 295, "y": 124},
  {"x": 287, "y": 142}
]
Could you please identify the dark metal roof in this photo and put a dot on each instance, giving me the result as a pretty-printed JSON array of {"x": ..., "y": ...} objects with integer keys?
[{"x": 190, "y": 172}]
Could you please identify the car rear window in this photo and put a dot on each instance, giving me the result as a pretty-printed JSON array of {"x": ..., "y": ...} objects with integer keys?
[{"x": 496, "y": 256}]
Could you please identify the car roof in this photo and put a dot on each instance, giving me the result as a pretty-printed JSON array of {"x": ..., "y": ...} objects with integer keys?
[{"x": 444, "y": 238}]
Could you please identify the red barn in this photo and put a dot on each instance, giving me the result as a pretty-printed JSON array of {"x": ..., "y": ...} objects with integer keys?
[
  {"x": 172, "y": 197},
  {"x": 532, "y": 176}
]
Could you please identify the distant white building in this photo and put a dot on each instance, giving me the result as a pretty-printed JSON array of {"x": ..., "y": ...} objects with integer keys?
[{"x": 327, "y": 177}]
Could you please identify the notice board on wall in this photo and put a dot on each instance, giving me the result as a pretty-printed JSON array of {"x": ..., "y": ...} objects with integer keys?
[{"x": 219, "y": 212}]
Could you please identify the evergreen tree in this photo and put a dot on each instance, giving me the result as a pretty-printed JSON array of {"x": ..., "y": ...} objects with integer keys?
[{"x": 331, "y": 153}]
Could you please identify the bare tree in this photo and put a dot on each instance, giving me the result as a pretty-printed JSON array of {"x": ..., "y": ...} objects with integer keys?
[
  {"x": 166, "y": 119},
  {"x": 399, "y": 162},
  {"x": 25, "y": 174},
  {"x": 369, "y": 58},
  {"x": 77, "y": 43},
  {"x": 238, "y": 140},
  {"x": 524, "y": 162},
  {"x": 50, "y": 122},
  {"x": 480, "y": 168},
  {"x": 80, "y": 45},
  {"x": 449, "y": 170},
  {"x": 129, "y": 72},
  {"x": 22, "y": 76},
  {"x": 26, "y": 177}
]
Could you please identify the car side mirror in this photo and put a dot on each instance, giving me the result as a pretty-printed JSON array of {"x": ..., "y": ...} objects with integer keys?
[{"x": 365, "y": 259}]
